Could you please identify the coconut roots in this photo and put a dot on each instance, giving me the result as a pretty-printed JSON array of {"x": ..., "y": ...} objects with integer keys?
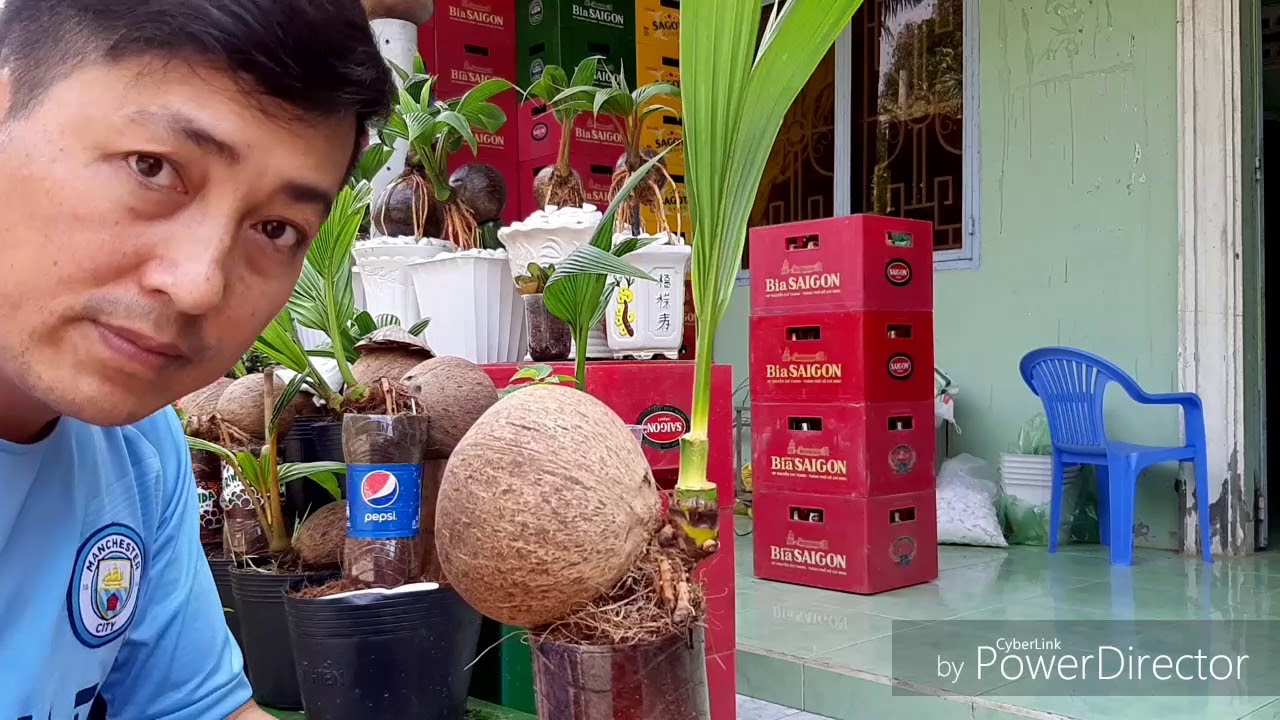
[
  {"x": 648, "y": 194},
  {"x": 428, "y": 216},
  {"x": 657, "y": 598},
  {"x": 552, "y": 187}
]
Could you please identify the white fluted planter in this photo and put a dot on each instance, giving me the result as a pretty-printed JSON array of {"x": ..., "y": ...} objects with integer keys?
[
  {"x": 474, "y": 308},
  {"x": 646, "y": 318},
  {"x": 548, "y": 236},
  {"x": 398, "y": 43},
  {"x": 384, "y": 273},
  {"x": 357, "y": 289}
]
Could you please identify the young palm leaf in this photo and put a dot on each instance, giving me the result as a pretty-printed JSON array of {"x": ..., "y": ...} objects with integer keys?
[
  {"x": 631, "y": 109},
  {"x": 735, "y": 98},
  {"x": 575, "y": 293},
  {"x": 565, "y": 98}
]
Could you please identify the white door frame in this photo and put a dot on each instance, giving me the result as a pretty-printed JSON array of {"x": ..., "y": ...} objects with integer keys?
[{"x": 1211, "y": 180}]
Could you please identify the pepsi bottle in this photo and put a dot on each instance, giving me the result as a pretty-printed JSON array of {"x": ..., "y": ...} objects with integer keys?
[{"x": 384, "y": 456}]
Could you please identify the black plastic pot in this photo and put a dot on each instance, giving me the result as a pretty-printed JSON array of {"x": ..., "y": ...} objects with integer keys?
[
  {"x": 222, "y": 578},
  {"x": 310, "y": 439},
  {"x": 384, "y": 656},
  {"x": 265, "y": 634}
]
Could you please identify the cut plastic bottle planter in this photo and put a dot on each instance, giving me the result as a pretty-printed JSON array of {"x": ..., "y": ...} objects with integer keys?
[
  {"x": 384, "y": 274},
  {"x": 475, "y": 310},
  {"x": 646, "y": 318},
  {"x": 547, "y": 237}
]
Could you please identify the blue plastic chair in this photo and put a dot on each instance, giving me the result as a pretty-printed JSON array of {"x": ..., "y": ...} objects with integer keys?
[{"x": 1071, "y": 384}]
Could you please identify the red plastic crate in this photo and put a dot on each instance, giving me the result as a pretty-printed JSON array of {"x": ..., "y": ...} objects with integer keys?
[
  {"x": 470, "y": 36},
  {"x": 594, "y": 166},
  {"x": 843, "y": 449},
  {"x": 722, "y": 685},
  {"x": 859, "y": 545},
  {"x": 856, "y": 262},
  {"x": 851, "y": 357},
  {"x": 540, "y": 134},
  {"x": 717, "y": 574},
  {"x": 659, "y": 395}
]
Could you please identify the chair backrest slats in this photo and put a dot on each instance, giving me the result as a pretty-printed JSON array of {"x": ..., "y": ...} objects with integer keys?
[{"x": 1072, "y": 385}]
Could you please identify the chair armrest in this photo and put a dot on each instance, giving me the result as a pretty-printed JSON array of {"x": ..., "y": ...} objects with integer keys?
[{"x": 1184, "y": 399}]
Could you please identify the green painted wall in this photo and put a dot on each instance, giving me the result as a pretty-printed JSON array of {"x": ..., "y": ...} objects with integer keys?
[{"x": 1078, "y": 223}]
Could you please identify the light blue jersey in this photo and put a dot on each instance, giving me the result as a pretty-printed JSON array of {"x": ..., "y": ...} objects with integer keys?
[{"x": 103, "y": 584}]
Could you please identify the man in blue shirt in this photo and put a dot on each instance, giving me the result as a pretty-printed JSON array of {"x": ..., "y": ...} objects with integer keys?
[{"x": 164, "y": 165}]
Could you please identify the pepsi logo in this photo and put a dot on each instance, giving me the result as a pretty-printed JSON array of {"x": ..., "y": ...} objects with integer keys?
[
  {"x": 898, "y": 272},
  {"x": 901, "y": 367},
  {"x": 379, "y": 489},
  {"x": 663, "y": 425}
]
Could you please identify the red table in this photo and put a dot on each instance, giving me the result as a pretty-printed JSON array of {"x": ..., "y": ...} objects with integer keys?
[{"x": 658, "y": 394}]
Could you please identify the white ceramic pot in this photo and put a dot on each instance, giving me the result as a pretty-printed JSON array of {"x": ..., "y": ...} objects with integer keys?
[
  {"x": 548, "y": 236},
  {"x": 646, "y": 318},
  {"x": 311, "y": 339},
  {"x": 357, "y": 289},
  {"x": 384, "y": 273},
  {"x": 474, "y": 308}
]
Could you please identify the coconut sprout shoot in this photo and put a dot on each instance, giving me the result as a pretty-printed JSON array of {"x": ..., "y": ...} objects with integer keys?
[
  {"x": 736, "y": 91},
  {"x": 632, "y": 109},
  {"x": 566, "y": 99}
]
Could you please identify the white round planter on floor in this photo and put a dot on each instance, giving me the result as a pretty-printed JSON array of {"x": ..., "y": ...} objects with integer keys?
[{"x": 475, "y": 310}]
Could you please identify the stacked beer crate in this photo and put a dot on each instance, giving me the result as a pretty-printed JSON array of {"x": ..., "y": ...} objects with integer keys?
[
  {"x": 658, "y": 60},
  {"x": 466, "y": 43},
  {"x": 842, "y": 403}
]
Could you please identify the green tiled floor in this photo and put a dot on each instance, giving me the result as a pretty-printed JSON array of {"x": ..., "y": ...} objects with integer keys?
[{"x": 830, "y": 653}]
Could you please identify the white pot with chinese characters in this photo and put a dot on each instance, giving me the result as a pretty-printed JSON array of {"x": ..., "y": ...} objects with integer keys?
[{"x": 646, "y": 318}]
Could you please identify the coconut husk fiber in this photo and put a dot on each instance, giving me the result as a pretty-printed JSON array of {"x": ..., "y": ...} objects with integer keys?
[
  {"x": 320, "y": 539},
  {"x": 454, "y": 393},
  {"x": 204, "y": 402},
  {"x": 383, "y": 440},
  {"x": 546, "y": 504},
  {"x": 414, "y": 11},
  {"x": 241, "y": 406}
]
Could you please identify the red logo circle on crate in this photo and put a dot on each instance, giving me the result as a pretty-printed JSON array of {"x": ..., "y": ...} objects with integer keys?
[
  {"x": 663, "y": 425},
  {"x": 898, "y": 272},
  {"x": 901, "y": 367},
  {"x": 902, "y": 459},
  {"x": 903, "y": 551},
  {"x": 540, "y": 132}
]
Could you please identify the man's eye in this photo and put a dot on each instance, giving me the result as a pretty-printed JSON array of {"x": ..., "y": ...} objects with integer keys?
[
  {"x": 155, "y": 171},
  {"x": 282, "y": 234}
]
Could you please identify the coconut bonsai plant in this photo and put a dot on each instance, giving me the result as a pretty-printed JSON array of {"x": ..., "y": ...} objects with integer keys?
[
  {"x": 425, "y": 201},
  {"x": 560, "y": 185},
  {"x": 549, "y": 337},
  {"x": 631, "y": 109},
  {"x": 590, "y": 606}
]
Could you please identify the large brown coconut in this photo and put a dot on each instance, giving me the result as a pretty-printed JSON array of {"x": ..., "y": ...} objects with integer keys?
[
  {"x": 204, "y": 402},
  {"x": 480, "y": 188},
  {"x": 454, "y": 393},
  {"x": 552, "y": 188},
  {"x": 241, "y": 406},
  {"x": 414, "y": 11},
  {"x": 320, "y": 539},
  {"x": 389, "y": 352},
  {"x": 545, "y": 505}
]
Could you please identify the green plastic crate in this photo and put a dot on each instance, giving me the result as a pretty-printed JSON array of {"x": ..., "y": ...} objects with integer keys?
[{"x": 566, "y": 32}]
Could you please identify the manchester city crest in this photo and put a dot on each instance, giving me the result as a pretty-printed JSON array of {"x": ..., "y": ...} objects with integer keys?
[{"x": 105, "y": 585}]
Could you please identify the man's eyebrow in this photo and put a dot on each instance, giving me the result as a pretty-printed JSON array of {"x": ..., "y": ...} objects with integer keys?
[
  {"x": 307, "y": 194},
  {"x": 186, "y": 127}
]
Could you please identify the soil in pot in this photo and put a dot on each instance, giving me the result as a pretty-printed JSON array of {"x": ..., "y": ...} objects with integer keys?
[
  {"x": 311, "y": 439},
  {"x": 660, "y": 680},
  {"x": 550, "y": 338},
  {"x": 375, "y": 655},
  {"x": 264, "y": 628},
  {"x": 384, "y": 490}
]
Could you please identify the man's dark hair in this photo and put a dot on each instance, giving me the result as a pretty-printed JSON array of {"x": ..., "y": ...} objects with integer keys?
[{"x": 318, "y": 56}]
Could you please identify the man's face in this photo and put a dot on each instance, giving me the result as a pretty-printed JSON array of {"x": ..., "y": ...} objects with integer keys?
[{"x": 153, "y": 219}]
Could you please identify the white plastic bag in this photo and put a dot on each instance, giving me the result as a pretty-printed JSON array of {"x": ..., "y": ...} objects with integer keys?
[{"x": 968, "y": 487}]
